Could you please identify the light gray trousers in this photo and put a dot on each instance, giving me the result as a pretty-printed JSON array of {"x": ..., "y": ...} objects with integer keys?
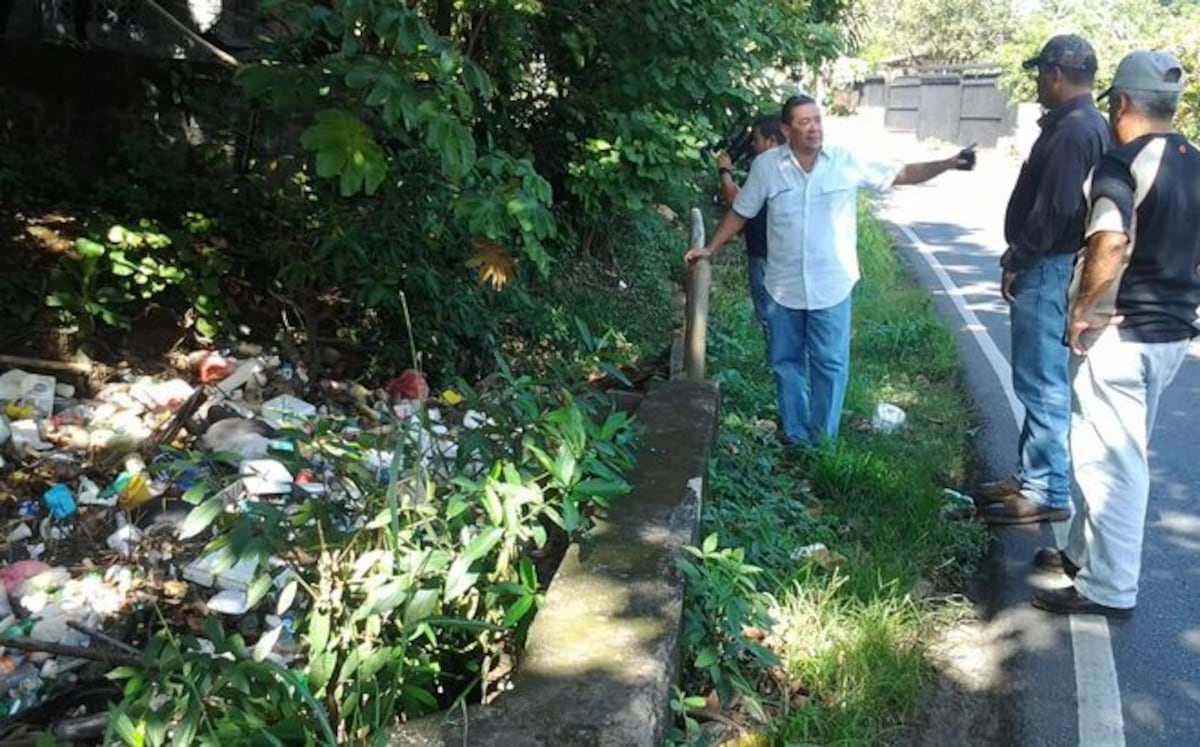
[{"x": 1115, "y": 391}]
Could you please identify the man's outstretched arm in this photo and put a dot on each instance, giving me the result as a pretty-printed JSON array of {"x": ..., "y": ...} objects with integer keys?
[{"x": 915, "y": 173}]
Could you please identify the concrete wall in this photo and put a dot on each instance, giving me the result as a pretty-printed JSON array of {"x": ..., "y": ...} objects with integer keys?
[{"x": 602, "y": 653}]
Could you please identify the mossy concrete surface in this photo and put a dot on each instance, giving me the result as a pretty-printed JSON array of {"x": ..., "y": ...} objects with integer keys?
[{"x": 602, "y": 653}]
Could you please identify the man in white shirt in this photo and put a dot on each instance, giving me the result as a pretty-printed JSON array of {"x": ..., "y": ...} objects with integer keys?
[{"x": 812, "y": 262}]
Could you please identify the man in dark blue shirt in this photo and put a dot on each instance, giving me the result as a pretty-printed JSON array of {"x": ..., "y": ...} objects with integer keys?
[
  {"x": 1133, "y": 310},
  {"x": 1044, "y": 229},
  {"x": 766, "y": 133}
]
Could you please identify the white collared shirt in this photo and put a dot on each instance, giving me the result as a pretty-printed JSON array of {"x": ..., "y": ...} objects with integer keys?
[{"x": 812, "y": 224}]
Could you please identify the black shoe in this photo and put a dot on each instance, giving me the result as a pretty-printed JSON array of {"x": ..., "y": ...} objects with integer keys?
[
  {"x": 1068, "y": 601},
  {"x": 1053, "y": 560}
]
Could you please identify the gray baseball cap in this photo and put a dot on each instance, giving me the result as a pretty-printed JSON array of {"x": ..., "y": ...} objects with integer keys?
[
  {"x": 1143, "y": 70},
  {"x": 1065, "y": 50}
]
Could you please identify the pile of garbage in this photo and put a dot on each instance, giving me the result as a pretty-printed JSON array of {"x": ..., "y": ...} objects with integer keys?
[{"x": 95, "y": 494}]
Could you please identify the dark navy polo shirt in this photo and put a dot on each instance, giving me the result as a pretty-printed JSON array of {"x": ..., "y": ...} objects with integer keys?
[
  {"x": 755, "y": 233},
  {"x": 1047, "y": 208}
]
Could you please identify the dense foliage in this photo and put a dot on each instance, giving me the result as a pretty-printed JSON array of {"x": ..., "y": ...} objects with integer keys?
[
  {"x": 461, "y": 157},
  {"x": 1114, "y": 29},
  {"x": 509, "y": 136}
]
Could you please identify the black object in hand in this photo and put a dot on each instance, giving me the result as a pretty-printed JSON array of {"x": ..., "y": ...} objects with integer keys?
[{"x": 966, "y": 156}]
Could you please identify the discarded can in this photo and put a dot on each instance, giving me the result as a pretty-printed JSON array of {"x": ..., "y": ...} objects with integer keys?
[{"x": 887, "y": 418}]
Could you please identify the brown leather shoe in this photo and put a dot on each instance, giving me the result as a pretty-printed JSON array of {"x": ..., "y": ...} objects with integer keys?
[
  {"x": 986, "y": 492},
  {"x": 1017, "y": 509},
  {"x": 1068, "y": 601},
  {"x": 1053, "y": 560}
]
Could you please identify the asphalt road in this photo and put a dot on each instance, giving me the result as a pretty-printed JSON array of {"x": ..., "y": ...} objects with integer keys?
[{"x": 1082, "y": 681}]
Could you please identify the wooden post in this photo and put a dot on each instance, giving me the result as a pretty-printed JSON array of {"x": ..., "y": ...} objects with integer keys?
[{"x": 696, "y": 315}]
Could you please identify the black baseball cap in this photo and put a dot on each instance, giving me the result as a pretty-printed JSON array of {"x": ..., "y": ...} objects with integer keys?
[{"x": 1065, "y": 50}]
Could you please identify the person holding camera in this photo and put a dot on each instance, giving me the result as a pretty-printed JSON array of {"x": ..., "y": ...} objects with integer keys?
[
  {"x": 812, "y": 260},
  {"x": 765, "y": 133}
]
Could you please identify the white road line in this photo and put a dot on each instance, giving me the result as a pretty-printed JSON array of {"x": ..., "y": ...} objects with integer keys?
[
  {"x": 997, "y": 360},
  {"x": 1101, "y": 722}
]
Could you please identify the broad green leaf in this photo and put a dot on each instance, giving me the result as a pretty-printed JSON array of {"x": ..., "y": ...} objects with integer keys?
[
  {"x": 318, "y": 632},
  {"x": 320, "y": 670},
  {"x": 459, "y": 580},
  {"x": 185, "y": 730},
  {"x": 422, "y": 605},
  {"x": 518, "y": 610},
  {"x": 195, "y": 494},
  {"x": 604, "y": 488},
  {"x": 287, "y": 595},
  {"x": 565, "y": 470},
  {"x": 88, "y": 248},
  {"x": 482, "y": 544},
  {"x": 385, "y": 598},
  {"x": 492, "y": 505},
  {"x": 258, "y": 589},
  {"x": 374, "y": 662},
  {"x": 200, "y": 517},
  {"x": 346, "y": 149},
  {"x": 127, "y": 731},
  {"x": 266, "y": 643}
]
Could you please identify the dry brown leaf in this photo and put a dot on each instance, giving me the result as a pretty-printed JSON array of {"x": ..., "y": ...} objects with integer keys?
[
  {"x": 712, "y": 702},
  {"x": 494, "y": 264}
]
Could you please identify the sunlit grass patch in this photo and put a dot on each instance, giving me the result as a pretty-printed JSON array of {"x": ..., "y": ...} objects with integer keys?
[{"x": 853, "y": 664}]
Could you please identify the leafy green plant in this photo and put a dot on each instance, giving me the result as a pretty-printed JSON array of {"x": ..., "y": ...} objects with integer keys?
[
  {"x": 688, "y": 729},
  {"x": 407, "y": 588},
  {"x": 213, "y": 691},
  {"x": 1114, "y": 29},
  {"x": 722, "y": 607},
  {"x": 109, "y": 278}
]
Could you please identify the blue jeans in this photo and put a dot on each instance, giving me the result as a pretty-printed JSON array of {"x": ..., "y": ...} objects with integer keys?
[
  {"x": 756, "y": 269},
  {"x": 1041, "y": 380},
  {"x": 809, "y": 353}
]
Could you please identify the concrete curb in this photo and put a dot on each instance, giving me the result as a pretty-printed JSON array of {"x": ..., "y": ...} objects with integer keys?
[{"x": 602, "y": 652}]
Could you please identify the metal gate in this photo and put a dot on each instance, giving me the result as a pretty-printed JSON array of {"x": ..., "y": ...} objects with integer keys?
[{"x": 946, "y": 105}]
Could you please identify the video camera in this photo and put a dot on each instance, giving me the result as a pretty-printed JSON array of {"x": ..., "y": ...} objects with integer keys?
[{"x": 737, "y": 143}]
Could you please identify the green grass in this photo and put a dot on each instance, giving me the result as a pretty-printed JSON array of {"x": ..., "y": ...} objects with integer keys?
[{"x": 852, "y": 633}]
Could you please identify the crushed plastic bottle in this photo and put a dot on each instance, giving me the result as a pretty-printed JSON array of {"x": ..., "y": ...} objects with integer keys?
[
  {"x": 956, "y": 505},
  {"x": 60, "y": 501}
]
